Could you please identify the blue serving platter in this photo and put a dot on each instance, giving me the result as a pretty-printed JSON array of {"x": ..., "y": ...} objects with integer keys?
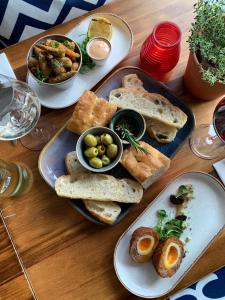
[{"x": 51, "y": 160}]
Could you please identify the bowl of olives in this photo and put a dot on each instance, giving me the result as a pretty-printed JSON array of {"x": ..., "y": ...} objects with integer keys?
[{"x": 99, "y": 149}]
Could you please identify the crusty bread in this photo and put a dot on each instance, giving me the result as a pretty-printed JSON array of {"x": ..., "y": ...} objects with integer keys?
[
  {"x": 162, "y": 133},
  {"x": 150, "y": 105},
  {"x": 131, "y": 81},
  {"x": 90, "y": 111},
  {"x": 156, "y": 129},
  {"x": 146, "y": 168},
  {"x": 106, "y": 212},
  {"x": 72, "y": 164},
  {"x": 99, "y": 187}
]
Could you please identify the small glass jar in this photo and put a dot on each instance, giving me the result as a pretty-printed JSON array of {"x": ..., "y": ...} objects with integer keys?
[
  {"x": 15, "y": 179},
  {"x": 161, "y": 50}
]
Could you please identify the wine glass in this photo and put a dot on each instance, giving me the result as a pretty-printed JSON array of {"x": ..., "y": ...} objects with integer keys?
[
  {"x": 20, "y": 111},
  {"x": 208, "y": 140}
]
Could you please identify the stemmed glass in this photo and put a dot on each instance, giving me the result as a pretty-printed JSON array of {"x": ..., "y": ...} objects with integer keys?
[
  {"x": 208, "y": 140},
  {"x": 20, "y": 111}
]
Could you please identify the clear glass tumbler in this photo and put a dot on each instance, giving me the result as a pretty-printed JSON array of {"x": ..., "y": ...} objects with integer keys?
[{"x": 15, "y": 179}]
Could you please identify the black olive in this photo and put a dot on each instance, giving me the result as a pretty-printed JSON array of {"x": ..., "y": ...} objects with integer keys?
[
  {"x": 176, "y": 200},
  {"x": 181, "y": 217}
]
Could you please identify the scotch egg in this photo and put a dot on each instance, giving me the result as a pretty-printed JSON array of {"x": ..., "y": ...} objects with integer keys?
[
  {"x": 143, "y": 243},
  {"x": 168, "y": 256}
]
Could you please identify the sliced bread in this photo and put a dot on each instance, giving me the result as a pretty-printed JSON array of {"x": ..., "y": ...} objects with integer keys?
[
  {"x": 146, "y": 168},
  {"x": 72, "y": 164},
  {"x": 150, "y": 105},
  {"x": 162, "y": 133},
  {"x": 99, "y": 187},
  {"x": 131, "y": 81},
  {"x": 106, "y": 212}
]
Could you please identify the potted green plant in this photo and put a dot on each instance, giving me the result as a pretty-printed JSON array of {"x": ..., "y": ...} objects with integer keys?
[{"x": 205, "y": 73}]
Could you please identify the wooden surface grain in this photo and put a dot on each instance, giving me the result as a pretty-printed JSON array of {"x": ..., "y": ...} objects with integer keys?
[{"x": 66, "y": 256}]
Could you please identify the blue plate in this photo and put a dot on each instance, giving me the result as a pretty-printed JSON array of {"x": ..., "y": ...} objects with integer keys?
[{"x": 51, "y": 160}]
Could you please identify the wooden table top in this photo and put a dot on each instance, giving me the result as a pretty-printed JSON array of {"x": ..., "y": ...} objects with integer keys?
[{"x": 65, "y": 255}]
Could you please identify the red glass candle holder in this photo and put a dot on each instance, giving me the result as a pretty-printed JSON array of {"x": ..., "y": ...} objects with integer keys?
[{"x": 161, "y": 50}]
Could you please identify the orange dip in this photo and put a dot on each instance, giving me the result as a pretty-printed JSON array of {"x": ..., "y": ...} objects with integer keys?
[{"x": 98, "y": 49}]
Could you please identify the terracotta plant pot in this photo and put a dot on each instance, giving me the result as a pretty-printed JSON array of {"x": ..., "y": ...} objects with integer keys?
[{"x": 199, "y": 87}]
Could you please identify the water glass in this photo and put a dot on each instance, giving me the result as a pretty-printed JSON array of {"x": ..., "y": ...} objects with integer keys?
[{"x": 15, "y": 179}]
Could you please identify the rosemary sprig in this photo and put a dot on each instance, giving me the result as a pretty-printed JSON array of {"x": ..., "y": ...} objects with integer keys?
[{"x": 128, "y": 136}]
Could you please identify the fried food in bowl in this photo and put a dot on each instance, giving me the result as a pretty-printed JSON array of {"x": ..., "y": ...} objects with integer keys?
[{"x": 54, "y": 60}]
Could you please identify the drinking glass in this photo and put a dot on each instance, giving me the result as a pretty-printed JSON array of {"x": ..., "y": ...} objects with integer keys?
[
  {"x": 15, "y": 179},
  {"x": 20, "y": 111},
  {"x": 161, "y": 50},
  {"x": 208, "y": 140}
]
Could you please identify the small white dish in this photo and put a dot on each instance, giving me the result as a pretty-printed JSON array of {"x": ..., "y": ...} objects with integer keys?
[
  {"x": 99, "y": 61},
  {"x": 206, "y": 214},
  {"x": 121, "y": 42}
]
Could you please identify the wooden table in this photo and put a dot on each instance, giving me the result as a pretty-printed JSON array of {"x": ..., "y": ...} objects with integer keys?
[{"x": 66, "y": 256}]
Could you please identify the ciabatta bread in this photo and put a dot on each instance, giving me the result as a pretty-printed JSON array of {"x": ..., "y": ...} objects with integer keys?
[
  {"x": 145, "y": 168},
  {"x": 98, "y": 187},
  {"x": 162, "y": 133},
  {"x": 106, "y": 212},
  {"x": 150, "y": 105},
  {"x": 72, "y": 164},
  {"x": 90, "y": 111},
  {"x": 131, "y": 81}
]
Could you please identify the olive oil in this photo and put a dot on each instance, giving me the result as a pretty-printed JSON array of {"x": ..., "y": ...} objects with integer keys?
[{"x": 15, "y": 179}]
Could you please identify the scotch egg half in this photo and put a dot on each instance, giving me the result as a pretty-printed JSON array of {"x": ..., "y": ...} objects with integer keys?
[
  {"x": 168, "y": 256},
  {"x": 143, "y": 243}
]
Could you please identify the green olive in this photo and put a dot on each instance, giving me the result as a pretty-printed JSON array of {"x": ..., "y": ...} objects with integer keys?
[
  {"x": 106, "y": 139},
  {"x": 112, "y": 150},
  {"x": 90, "y": 140},
  {"x": 91, "y": 152},
  {"x": 95, "y": 162},
  {"x": 101, "y": 150},
  {"x": 98, "y": 138},
  {"x": 105, "y": 160}
]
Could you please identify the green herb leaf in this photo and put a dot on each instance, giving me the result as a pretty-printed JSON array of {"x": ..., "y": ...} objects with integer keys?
[
  {"x": 128, "y": 136},
  {"x": 207, "y": 39},
  {"x": 87, "y": 62},
  {"x": 67, "y": 44},
  {"x": 40, "y": 76}
]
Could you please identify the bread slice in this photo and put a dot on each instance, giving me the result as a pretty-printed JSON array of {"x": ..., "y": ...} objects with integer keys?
[
  {"x": 90, "y": 111},
  {"x": 99, "y": 187},
  {"x": 150, "y": 105},
  {"x": 162, "y": 133},
  {"x": 72, "y": 164},
  {"x": 131, "y": 81},
  {"x": 146, "y": 168},
  {"x": 106, "y": 212}
]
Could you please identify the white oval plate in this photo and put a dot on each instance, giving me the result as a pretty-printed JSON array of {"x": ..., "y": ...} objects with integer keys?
[
  {"x": 122, "y": 39},
  {"x": 207, "y": 219}
]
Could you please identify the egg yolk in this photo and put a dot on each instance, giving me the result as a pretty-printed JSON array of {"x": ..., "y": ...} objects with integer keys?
[
  {"x": 172, "y": 255},
  {"x": 145, "y": 244}
]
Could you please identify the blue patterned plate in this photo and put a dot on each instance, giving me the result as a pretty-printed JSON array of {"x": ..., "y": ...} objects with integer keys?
[{"x": 51, "y": 160}]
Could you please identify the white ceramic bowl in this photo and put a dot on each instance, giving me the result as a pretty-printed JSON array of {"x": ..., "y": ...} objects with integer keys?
[{"x": 58, "y": 37}]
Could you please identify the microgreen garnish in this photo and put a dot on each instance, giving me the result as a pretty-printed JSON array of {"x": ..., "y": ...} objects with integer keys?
[
  {"x": 87, "y": 62},
  {"x": 167, "y": 228}
]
